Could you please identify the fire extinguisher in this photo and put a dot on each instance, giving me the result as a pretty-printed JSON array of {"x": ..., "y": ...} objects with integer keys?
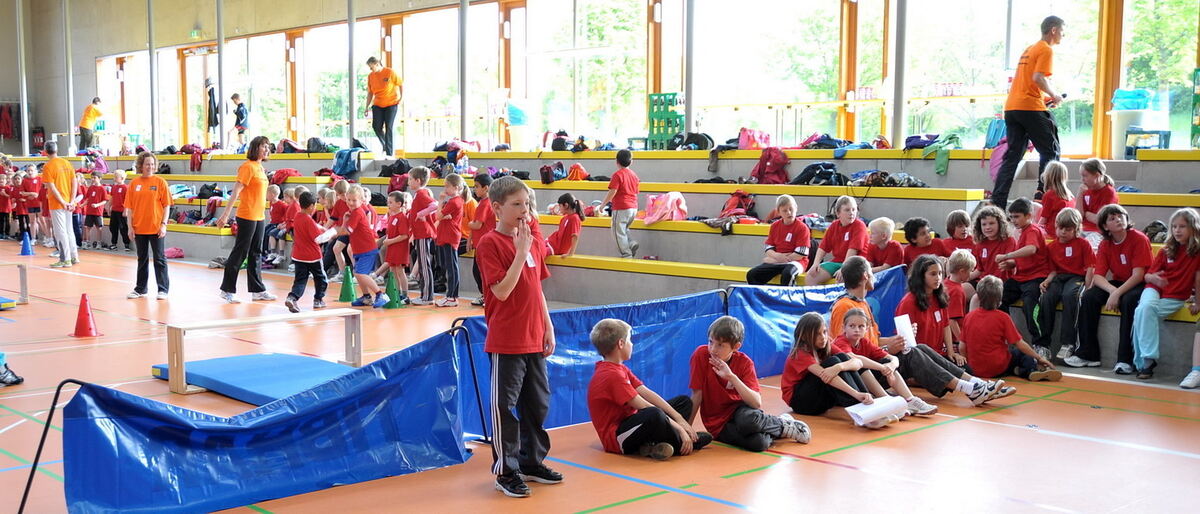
[{"x": 39, "y": 137}]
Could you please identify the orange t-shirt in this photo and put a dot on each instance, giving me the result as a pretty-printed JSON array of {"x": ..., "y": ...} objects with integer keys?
[
  {"x": 90, "y": 115},
  {"x": 385, "y": 85},
  {"x": 148, "y": 198},
  {"x": 468, "y": 216},
  {"x": 1025, "y": 95},
  {"x": 60, "y": 173},
  {"x": 252, "y": 201}
]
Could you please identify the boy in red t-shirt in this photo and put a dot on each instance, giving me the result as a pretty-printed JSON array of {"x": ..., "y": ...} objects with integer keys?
[
  {"x": 449, "y": 233},
  {"x": 882, "y": 251},
  {"x": 287, "y": 224},
  {"x": 520, "y": 336},
  {"x": 6, "y": 206},
  {"x": 117, "y": 224},
  {"x": 337, "y": 219},
  {"x": 786, "y": 255},
  {"x": 1028, "y": 266},
  {"x": 277, "y": 212},
  {"x": 366, "y": 254},
  {"x": 483, "y": 222},
  {"x": 394, "y": 244},
  {"x": 420, "y": 221},
  {"x": 622, "y": 192},
  {"x": 1072, "y": 265},
  {"x": 959, "y": 267},
  {"x": 95, "y": 198},
  {"x": 307, "y": 237},
  {"x": 725, "y": 392},
  {"x": 921, "y": 240},
  {"x": 994, "y": 347},
  {"x": 629, "y": 417}
]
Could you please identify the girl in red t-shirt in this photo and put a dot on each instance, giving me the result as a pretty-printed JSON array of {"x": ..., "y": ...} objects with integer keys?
[
  {"x": 1098, "y": 190},
  {"x": 993, "y": 237},
  {"x": 877, "y": 365},
  {"x": 565, "y": 240},
  {"x": 448, "y": 234},
  {"x": 6, "y": 206},
  {"x": 1172, "y": 280},
  {"x": 846, "y": 236},
  {"x": 818, "y": 378},
  {"x": 1056, "y": 198},
  {"x": 394, "y": 244}
]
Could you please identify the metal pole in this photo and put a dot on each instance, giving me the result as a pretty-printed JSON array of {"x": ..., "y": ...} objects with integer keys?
[
  {"x": 689, "y": 44},
  {"x": 462, "y": 69},
  {"x": 899, "y": 109},
  {"x": 25, "y": 132},
  {"x": 352, "y": 83},
  {"x": 66, "y": 24},
  {"x": 220, "y": 95},
  {"x": 1008, "y": 27},
  {"x": 153, "y": 74}
]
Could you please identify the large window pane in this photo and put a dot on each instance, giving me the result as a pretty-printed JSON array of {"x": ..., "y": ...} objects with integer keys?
[
  {"x": 266, "y": 94},
  {"x": 485, "y": 99},
  {"x": 870, "y": 68},
  {"x": 200, "y": 67},
  {"x": 324, "y": 75},
  {"x": 430, "y": 106},
  {"x": 137, "y": 96},
  {"x": 671, "y": 59},
  {"x": 168, "y": 99},
  {"x": 1159, "y": 53},
  {"x": 368, "y": 42},
  {"x": 1074, "y": 63}
]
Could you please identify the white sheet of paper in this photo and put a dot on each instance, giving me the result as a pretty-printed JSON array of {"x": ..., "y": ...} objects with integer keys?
[
  {"x": 863, "y": 414},
  {"x": 326, "y": 235},
  {"x": 904, "y": 329}
]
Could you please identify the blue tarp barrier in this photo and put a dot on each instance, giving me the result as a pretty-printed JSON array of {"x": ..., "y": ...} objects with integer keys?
[
  {"x": 398, "y": 415},
  {"x": 665, "y": 333},
  {"x": 770, "y": 314}
]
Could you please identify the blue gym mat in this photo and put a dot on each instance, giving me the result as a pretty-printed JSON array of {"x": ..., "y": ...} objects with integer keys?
[{"x": 261, "y": 378}]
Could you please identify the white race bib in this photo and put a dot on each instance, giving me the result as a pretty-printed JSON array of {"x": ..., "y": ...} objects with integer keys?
[
  {"x": 395, "y": 221},
  {"x": 1123, "y": 260},
  {"x": 937, "y": 316},
  {"x": 1086, "y": 199},
  {"x": 846, "y": 236},
  {"x": 984, "y": 252},
  {"x": 1070, "y": 251},
  {"x": 788, "y": 237},
  {"x": 529, "y": 262},
  {"x": 138, "y": 188}
]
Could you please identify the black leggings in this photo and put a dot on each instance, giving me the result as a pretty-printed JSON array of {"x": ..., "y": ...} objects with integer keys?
[
  {"x": 4, "y": 225},
  {"x": 382, "y": 119},
  {"x": 248, "y": 247},
  {"x": 151, "y": 246},
  {"x": 118, "y": 227},
  {"x": 651, "y": 426},
  {"x": 812, "y": 396},
  {"x": 23, "y": 225}
]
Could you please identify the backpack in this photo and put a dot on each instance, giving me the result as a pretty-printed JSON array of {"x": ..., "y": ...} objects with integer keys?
[
  {"x": 577, "y": 173},
  {"x": 821, "y": 173},
  {"x": 279, "y": 176},
  {"x": 1156, "y": 231},
  {"x": 169, "y": 150},
  {"x": 208, "y": 191},
  {"x": 288, "y": 146},
  {"x": 690, "y": 141},
  {"x": 400, "y": 167},
  {"x": 827, "y": 142},
  {"x": 919, "y": 141},
  {"x": 547, "y": 174},
  {"x": 740, "y": 203},
  {"x": 753, "y": 139},
  {"x": 996, "y": 131},
  {"x": 345, "y": 163},
  {"x": 316, "y": 145},
  {"x": 173, "y": 252},
  {"x": 378, "y": 200},
  {"x": 398, "y": 183},
  {"x": 164, "y": 168},
  {"x": 191, "y": 149},
  {"x": 771, "y": 165},
  {"x": 665, "y": 207}
]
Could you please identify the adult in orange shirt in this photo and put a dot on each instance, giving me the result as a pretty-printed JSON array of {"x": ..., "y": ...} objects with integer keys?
[
  {"x": 251, "y": 189},
  {"x": 146, "y": 205},
  {"x": 58, "y": 176},
  {"x": 384, "y": 90},
  {"x": 87, "y": 123},
  {"x": 1026, "y": 114}
]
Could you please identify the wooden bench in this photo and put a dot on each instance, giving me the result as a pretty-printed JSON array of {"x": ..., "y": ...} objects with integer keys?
[
  {"x": 176, "y": 367},
  {"x": 23, "y": 272}
]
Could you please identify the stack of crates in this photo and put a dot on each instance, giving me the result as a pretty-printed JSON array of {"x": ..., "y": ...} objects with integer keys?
[{"x": 664, "y": 120}]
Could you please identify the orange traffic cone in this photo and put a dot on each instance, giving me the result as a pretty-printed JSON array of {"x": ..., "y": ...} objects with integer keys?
[{"x": 85, "y": 324}]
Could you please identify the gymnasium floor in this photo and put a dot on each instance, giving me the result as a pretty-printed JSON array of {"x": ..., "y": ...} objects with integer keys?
[{"x": 1082, "y": 445}]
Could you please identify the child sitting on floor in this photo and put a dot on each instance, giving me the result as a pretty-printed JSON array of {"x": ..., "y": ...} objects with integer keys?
[
  {"x": 883, "y": 367},
  {"x": 725, "y": 392},
  {"x": 994, "y": 347},
  {"x": 630, "y": 418},
  {"x": 817, "y": 377},
  {"x": 882, "y": 251}
]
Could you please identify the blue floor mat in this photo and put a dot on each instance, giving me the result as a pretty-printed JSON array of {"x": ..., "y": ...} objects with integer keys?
[{"x": 261, "y": 378}]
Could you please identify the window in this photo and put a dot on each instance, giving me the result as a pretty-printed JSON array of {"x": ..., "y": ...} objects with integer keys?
[
  {"x": 136, "y": 85},
  {"x": 1159, "y": 47},
  {"x": 430, "y": 106},
  {"x": 485, "y": 98},
  {"x": 748, "y": 63},
  {"x": 671, "y": 59},
  {"x": 368, "y": 42},
  {"x": 266, "y": 95},
  {"x": 200, "y": 74},
  {"x": 871, "y": 47},
  {"x": 168, "y": 99},
  {"x": 322, "y": 52}
]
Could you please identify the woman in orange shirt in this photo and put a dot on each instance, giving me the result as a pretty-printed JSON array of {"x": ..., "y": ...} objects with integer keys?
[
  {"x": 251, "y": 189},
  {"x": 147, "y": 203}
]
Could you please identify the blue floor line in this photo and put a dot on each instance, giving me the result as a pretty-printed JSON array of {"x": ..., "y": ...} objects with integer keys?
[
  {"x": 26, "y": 466},
  {"x": 652, "y": 484}
]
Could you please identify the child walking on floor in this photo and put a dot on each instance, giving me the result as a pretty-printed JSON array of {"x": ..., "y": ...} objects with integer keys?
[
  {"x": 366, "y": 254},
  {"x": 630, "y": 418},
  {"x": 993, "y": 345},
  {"x": 306, "y": 255},
  {"x": 420, "y": 222}
]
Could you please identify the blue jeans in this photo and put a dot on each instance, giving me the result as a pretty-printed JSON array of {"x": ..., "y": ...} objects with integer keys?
[
  {"x": 1147, "y": 318},
  {"x": 1020, "y": 364}
]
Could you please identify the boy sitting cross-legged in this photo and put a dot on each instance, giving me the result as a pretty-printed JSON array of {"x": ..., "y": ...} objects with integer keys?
[{"x": 628, "y": 416}]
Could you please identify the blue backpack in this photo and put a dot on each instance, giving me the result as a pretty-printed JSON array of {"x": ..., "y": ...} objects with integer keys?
[{"x": 996, "y": 131}]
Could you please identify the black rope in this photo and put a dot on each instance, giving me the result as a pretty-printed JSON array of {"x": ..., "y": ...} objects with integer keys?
[{"x": 37, "y": 457}]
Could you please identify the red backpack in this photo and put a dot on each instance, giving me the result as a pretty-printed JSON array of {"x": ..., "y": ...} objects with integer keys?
[
  {"x": 771, "y": 167},
  {"x": 398, "y": 183},
  {"x": 282, "y": 174},
  {"x": 740, "y": 203}
]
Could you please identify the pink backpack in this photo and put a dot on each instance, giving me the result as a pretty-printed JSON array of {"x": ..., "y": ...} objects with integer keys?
[
  {"x": 665, "y": 207},
  {"x": 753, "y": 139},
  {"x": 173, "y": 252},
  {"x": 998, "y": 157}
]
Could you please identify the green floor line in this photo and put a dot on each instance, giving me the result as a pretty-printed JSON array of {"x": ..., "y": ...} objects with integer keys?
[
  {"x": 631, "y": 500},
  {"x": 28, "y": 417},
  {"x": 940, "y": 423},
  {"x": 40, "y": 469},
  {"x": 1106, "y": 393},
  {"x": 1131, "y": 411},
  {"x": 256, "y": 508}
]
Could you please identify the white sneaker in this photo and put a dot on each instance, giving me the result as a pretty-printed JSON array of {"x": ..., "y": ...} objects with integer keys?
[
  {"x": 794, "y": 429},
  {"x": 1076, "y": 361},
  {"x": 229, "y": 297},
  {"x": 54, "y": 253},
  {"x": 1065, "y": 351},
  {"x": 919, "y": 407},
  {"x": 336, "y": 279},
  {"x": 134, "y": 295},
  {"x": 264, "y": 296},
  {"x": 1191, "y": 381},
  {"x": 291, "y": 268},
  {"x": 981, "y": 392},
  {"x": 420, "y": 302},
  {"x": 162, "y": 295},
  {"x": 446, "y": 302},
  {"x": 1043, "y": 351},
  {"x": 1123, "y": 368}
]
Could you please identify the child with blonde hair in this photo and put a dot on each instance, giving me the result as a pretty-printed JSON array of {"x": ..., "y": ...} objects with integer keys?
[
  {"x": 882, "y": 251},
  {"x": 1174, "y": 276},
  {"x": 786, "y": 255},
  {"x": 1097, "y": 191},
  {"x": 449, "y": 233},
  {"x": 1072, "y": 264},
  {"x": 846, "y": 236},
  {"x": 1056, "y": 197}
]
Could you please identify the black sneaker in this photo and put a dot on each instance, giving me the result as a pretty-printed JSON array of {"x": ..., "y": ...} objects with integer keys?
[
  {"x": 8, "y": 378},
  {"x": 541, "y": 475},
  {"x": 657, "y": 451},
  {"x": 512, "y": 485}
]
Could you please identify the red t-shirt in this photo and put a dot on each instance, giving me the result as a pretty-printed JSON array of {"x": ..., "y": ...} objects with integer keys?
[
  {"x": 362, "y": 236},
  {"x": 34, "y": 185},
  {"x": 6, "y": 203},
  {"x": 626, "y": 182},
  {"x": 1036, "y": 265},
  {"x": 397, "y": 253},
  {"x": 449, "y": 232},
  {"x": 718, "y": 397},
  {"x": 338, "y": 214},
  {"x": 279, "y": 210},
  {"x": 18, "y": 203},
  {"x": 1179, "y": 271},
  {"x": 484, "y": 215},
  {"x": 95, "y": 194},
  {"x": 320, "y": 217},
  {"x": 911, "y": 252},
  {"x": 304, "y": 236},
  {"x": 952, "y": 244},
  {"x": 1052, "y": 204},
  {"x": 987, "y": 334},
  {"x": 609, "y": 392},
  {"x": 840, "y": 239},
  {"x": 790, "y": 238},
  {"x": 931, "y": 323},
  {"x": 957, "y": 308},
  {"x": 116, "y": 193},
  {"x": 1074, "y": 256},
  {"x": 985, "y": 256},
  {"x": 568, "y": 226},
  {"x": 422, "y": 228},
  {"x": 1120, "y": 259},
  {"x": 515, "y": 325},
  {"x": 289, "y": 216},
  {"x": 44, "y": 200},
  {"x": 892, "y": 254},
  {"x": 863, "y": 348},
  {"x": 1092, "y": 201},
  {"x": 794, "y": 371}
]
